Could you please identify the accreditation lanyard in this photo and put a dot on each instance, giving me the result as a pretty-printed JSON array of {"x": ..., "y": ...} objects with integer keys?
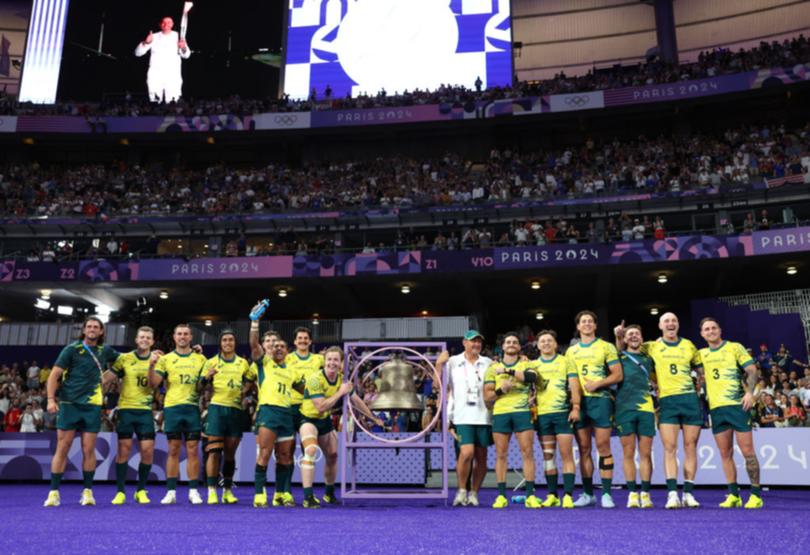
[
  {"x": 477, "y": 377},
  {"x": 638, "y": 363},
  {"x": 95, "y": 359}
]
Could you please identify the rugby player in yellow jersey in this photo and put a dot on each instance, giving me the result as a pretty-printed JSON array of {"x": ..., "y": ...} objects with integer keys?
[
  {"x": 635, "y": 416},
  {"x": 134, "y": 414},
  {"x": 77, "y": 375},
  {"x": 598, "y": 369},
  {"x": 226, "y": 374},
  {"x": 730, "y": 402},
  {"x": 274, "y": 419},
  {"x": 679, "y": 405},
  {"x": 507, "y": 387},
  {"x": 180, "y": 370},
  {"x": 303, "y": 361},
  {"x": 323, "y": 390},
  {"x": 555, "y": 415}
]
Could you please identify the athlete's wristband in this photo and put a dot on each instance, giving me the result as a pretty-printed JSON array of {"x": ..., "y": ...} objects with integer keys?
[
  {"x": 499, "y": 392},
  {"x": 509, "y": 372}
]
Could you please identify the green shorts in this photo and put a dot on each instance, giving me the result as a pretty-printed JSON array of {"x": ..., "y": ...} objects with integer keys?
[
  {"x": 79, "y": 417},
  {"x": 276, "y": 419},
  {"x": 323, "y": 425},
  {"x": 224, "y": 421},
  {"x": 682, "y": 410},
  {"x": 297, "y": 417},
  {"x": 135, "y": 421},
  {"x": 479, "y": 435},
  {"x": 512, "y": 422},
  {"x": 730, "y": 417},
  {"x": 597, "y": 412},
  {"x": 635, "y": 422},
  {"x": 552, "y": 424},
  {"x": 182, "y": 419}
]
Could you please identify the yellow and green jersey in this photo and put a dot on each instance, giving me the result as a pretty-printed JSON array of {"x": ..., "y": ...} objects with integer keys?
[
  {"x": 673, "y": 363},
  {"x": 591, "y": 361},
  {"x": 555, "y": 373},
  {"x": 722, "y": 369},
  {"x": 517, "y": 398},
  {"x": 181, "y": 373},
  {"x": 318, "y": 386},
  {"x": 304, "y": 366},
  {"x": 136, "y": 393},
  {"x": 633, "y": 393},
  {"x": 228, "y": 381},
  {"x": 275, "y": 381}
]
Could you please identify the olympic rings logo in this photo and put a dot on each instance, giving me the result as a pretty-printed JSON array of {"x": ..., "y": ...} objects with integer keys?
[
  {"x": 577, "y": 100},
  {"x": 285, "y": 120}
]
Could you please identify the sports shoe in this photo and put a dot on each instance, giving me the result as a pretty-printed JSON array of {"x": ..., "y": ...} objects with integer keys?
[
  {"x": 689, "y": 501},
  {"x": 672, "y": 501},
  {"x": 472, "y": 499},
  {"x": 646, "y": 501},
  {"x": 567, "y": 502},
  {"x": 532, "y": 502},
  {"x": 501, "y": 502},
  {"x": 141, "y": 498},
  {"x": 311, "y": 502},
  {"x": 330, "y": 499},
  {"x": 228, "y": 497},
  {"x": 289, "y": 500},
  {"x": 213, "y": 499},
  {"x": 87, "y": 498},
  {"x": 731, "y": 502},
  {"x": 170, "y": 498},
  {"x": 278, "y": 499},
  {"x": 633, "y": 500},
  {"x": 607, "y": 501},
  {"x": 120, "y": 498},
  {"x": 53, "y": 499},
  {"x": 585, "y": 500},
  {"x": 194, "y": 497},
  {"x": 260, "y": 500},
  {"x": 754, "y": 502},
  {"x": 460, "y": 500},
  {"x": 551, "y": 500}
]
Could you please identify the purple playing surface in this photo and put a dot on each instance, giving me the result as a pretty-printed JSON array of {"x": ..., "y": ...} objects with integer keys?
[{"x": 393, "y": 526}]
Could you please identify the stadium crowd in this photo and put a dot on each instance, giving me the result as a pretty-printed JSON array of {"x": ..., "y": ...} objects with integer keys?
[
  {"x": 656, "y": 165},
  {"x": 709, "y": 64},
  {"x": 783, "y": 388}
]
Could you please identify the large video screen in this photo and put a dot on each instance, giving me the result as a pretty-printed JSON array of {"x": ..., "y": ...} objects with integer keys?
[
  {"x": 14, "y": 15},
  {"x": 356, "y": 47}
]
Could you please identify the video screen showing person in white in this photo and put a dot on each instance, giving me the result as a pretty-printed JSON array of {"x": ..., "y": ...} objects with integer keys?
[{"x": 164, "y": 78}]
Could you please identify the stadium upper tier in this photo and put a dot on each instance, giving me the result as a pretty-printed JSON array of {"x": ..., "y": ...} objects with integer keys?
[
  {"x": 700, "y": 163},
  {"x": 716, "y": 72}
]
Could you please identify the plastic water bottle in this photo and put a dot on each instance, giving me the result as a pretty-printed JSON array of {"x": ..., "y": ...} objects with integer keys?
[
  {"x": 519, "y": 499},
  {"x": 260, "y": 308}
]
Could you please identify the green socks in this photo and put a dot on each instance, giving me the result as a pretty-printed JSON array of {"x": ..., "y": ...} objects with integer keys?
[
  {"x": 87, "y": 475},
  {"x": 734, "y": 489},
  {"x": 171, "y": 484},
  {"x": 308, "y": 492},
  {"x": 606, "y": 485},
  {"x": 260, "y": 478},
  {"x": 120, "y": 476},
  {"x": 330, "y": 490},
  {"x": 502, "y": 488},
  {"x": 228, "y": 469},
  {"x": 587, "y": 485},
  {"x": 645, "y": 486},
  {"x": 688, "y": 486},
  {"x": 211, "y": 481},
  {"x": 143, "y": 475},
  {"x": 756, "y": 490},
  {"x": 56, "y": 479},
  {"x": 529, "y": 488},
  {"x": 672, "y": 484},
  {"x": 631, "y": 485},
  {"x": 551, "y": 480},
  {"x": 568, "y": 483},
  {"x": 194, "y": 483}
]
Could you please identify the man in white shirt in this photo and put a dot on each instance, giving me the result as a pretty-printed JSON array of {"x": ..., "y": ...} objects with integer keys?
[
  {"x": 469, "y": 414},
  {"x": 164, "y": 78}
]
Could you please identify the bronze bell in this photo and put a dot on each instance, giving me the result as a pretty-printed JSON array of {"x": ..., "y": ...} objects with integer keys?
[{"x": 397, "y": 387}]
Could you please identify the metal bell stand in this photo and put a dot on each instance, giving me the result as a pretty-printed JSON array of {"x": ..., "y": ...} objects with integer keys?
[{"x": 349, "y": 444}]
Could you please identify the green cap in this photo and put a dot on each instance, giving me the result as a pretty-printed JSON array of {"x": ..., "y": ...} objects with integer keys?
[{"x": 472, "y": 334}]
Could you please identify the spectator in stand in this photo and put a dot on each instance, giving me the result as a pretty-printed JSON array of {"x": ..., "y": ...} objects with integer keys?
[
  {"x": 13, "y": 418},
  {"x": 795, "y": 413},
  {"x": 770, "y": 414},
  {"x": 28, "y": 422},
  {"x": 33, "y": 376}
]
